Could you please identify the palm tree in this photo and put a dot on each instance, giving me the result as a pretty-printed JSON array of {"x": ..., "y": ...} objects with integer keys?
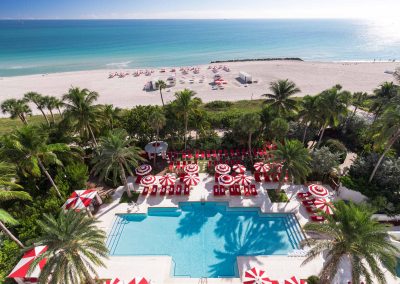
[
  {"x": 39, "y": 101},
  {"x": 51, "y": 104},
  {"x": 161, "y": 85},
  {"x": 116, "y": 156},
  {"x": 186, "y": 104},
  {"x": 17, "y": 108},
  {"x": 110, "y": 115},
  {"x": 351, "y": 234},
  {"x": 295, "y": 160},
  {"x": 280, "y": 99},
  {"x": 309, "y": 114},
  {"x": 248, "y": 124},
  {"x": 81, "y": 112},
  {"x": 388, "y": 132},
  {"x": 157, "y": 121},
  {"x": 382, "y": 97},
  {"x": 28, "y": 148},
  {"x": 75, "y": 247},
  {"x": 358, "y": 100}
]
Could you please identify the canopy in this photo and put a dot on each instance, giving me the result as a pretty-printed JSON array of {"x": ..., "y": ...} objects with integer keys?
[
  {"x": 114, "y": 281},
  {"x": 324, "y": 205},
  {"x": 191, "y": 180},
  {"x": 257, "y": 276},
  {"x": 243, "y": 179},
  {"x": 81, "y": 199},
  {"x": 318, "y": 190},
  {"x": 156, "y": 147},
  {"x": 240, "y": 169},
  {"x": 143, "y": 170},
  {"x": 226, "y": 180},
  {"x": 167, "y": 180},
  {"x": 294, "y": 280},
  {"x": 20, "y": 271},
  {"x": 258, "y": 166},
  {"x": 261, "y": 167},
  {"x": 141, "y": 281},
  {"x": 191, "y": 169},
  {"x": 222, "y": 169},
  {"x": 148, "y": 180}
]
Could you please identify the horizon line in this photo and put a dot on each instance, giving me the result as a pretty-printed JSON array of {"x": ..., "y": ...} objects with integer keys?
[{"x": 222, "y": 19}]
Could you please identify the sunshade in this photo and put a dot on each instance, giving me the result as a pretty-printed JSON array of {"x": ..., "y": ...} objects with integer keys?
[
  {"x": 318, "y": 190},
  {"x": 23, "y": 266},
  {"x": 148, "y": 180},
  {"x": 240, "y": 169},
  {"x": 143, "y": 170},
  {"x": 295, "y": 280},
  {"x": 222, "y": 169},
  {"x": 80, "y": 199},
  {"x": 257, "y": 276},
  {"x": 226, "y": 180},
  {"x": 243, "y": 179},
  {"x": 191, "y": 180},
  {"x": 324, "y": 205},
  {"x": 191, "y": 169},
  {"x": 167, "y": 180}
]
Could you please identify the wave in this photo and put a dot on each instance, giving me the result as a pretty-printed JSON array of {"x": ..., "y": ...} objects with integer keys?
[{"x": 123, "y": 64}]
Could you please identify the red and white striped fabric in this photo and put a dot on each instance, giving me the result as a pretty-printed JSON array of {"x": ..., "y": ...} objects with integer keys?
[
  {"x": 20, "y": 271},
  {"x": 191, "y": 169},
  {"x": 167, "y": 180},
  {"x": 324, "y": 205},
  {"x": 80, "y": 199},
  {"x": 114, "y": 281},
  {"x": 258, "y": 166},
  {"x": 141, "y": 281},
  {"x": 226, "y": 180},
  {"x": 240, "y": 169},
  {"x": 257, "y": 276},
  {"x": 265, "y": 168},
  {"x": 222, "y": 169},
  {"x": 243, "y": 179},
  {"x": 295, "y": 280},
  {"x": 148, "y": 180},
  {"x": 191, "y": 180},
  {"x": 143, "y": 170},
  {"x": 318, "y": 190}
]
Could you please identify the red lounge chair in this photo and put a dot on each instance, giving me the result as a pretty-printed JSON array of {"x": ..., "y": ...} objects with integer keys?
[
  {"x": 257, "y": 177},
  {"x": 308, "y": 202},
  {"x": 311, "y": 209},
  {"x": 178, "y": 190},
  {"x": 163, "y": 190},
  {"x": 197, "y": 155},
  {"x": 138, "y": 179},
  {"x": 178, "y": 165},
  {"x": 145, "y": 190},
  {"x": 246, "y": 191},
  {"x": 216, "y": 176},
  {"x": 237, "y": 190},
  {"x": 214, "y": 154},
  {"x": 208, "y": 154},
  {"x": 216, "y": 190},
  {"x": 154, "y": 190},
  {"x": 221, "y": 190},
  {"x": 231, "y": 190},
  {"x": 186, "y": 191},
  {"x": 203, "y": 155},
  {"x": 232, "y": 153},
  {"x": 267, "y": 178},
  {"x": 189, "y": 156},
  {"x": 181, "y": 176},
  {"x": 303, "y": 195},
  {"x": 171, "y": 190},
  {"x": 226, "y": 153},
  {"x": 171, "y": 166},
  {"x": 253, "y": 190},
  {"x": 183, "y": 164},
  {"x": 316, "y": 218}
]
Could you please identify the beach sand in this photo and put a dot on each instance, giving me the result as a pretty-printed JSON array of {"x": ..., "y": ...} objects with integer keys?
[{"x": 311, "y": 77}]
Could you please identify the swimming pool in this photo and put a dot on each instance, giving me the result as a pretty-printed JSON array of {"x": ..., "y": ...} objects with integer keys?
[{"x": 204, "y": 239}]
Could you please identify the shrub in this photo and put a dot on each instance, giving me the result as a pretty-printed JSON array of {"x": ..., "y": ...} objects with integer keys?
[
  {"x": 296, "y": 131},
  {"x": 125, "y": 199},
  {"x": 9, "y": 255},
  {"x": 278, "y": 129},
  {"x": 355, "y": 134},
  {"x": 313, "y": 280},
  {"x": 323, "y": 163},
  {"x": 337, "y": 147},
  {"x": 278, "y": 196},
  {"x": 217, "y": 105}
]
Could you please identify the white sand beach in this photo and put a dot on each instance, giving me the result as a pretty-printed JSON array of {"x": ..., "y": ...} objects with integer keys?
[{"x": 311, "y": 77}]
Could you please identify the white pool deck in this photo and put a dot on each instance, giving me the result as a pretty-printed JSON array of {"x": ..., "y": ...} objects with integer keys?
[{"x": 158, "y": 268}]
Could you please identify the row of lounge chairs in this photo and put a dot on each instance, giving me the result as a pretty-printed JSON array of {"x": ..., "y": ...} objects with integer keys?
[
  {"x": 234, "y": 190},
  {"x": 308, "y": 204},
  {"x": 171, "y": 190}
]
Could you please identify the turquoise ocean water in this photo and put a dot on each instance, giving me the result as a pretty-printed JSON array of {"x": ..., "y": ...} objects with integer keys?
[{"x": 45, "y": 46}]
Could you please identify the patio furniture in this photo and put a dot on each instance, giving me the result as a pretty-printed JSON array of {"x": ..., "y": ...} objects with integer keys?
[{"x": 316, "y": 218}]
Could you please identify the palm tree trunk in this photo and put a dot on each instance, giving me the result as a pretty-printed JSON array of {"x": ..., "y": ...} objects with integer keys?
[
  {"x": 321, "y": 136},
  {"x": 391, "y": 142},
  {"x": 249, "y": 146},
  {"x": 279, "y": 186},
  {"x": 186, "y": 129},
  {"x": 162, "y": 99},
  {"x": 92, "y": 134},
  {"x": 59, "y": 111},
  {"x": 49, "y": 177},
  {"x": 45, "y": 116},
  {"x": 377, "y": 114},
  {"x": 124, "y": 180},
  {"x": 23, "y": 119},
  {"x": 305, "y": 133},
  {"x": 52, "y": 115},
  {"x": 10, "y": 235},
  {"x": 88, "y": 277}
]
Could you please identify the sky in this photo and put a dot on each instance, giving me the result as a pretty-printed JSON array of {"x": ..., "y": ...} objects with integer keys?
[{"x": 197, "y": 9}]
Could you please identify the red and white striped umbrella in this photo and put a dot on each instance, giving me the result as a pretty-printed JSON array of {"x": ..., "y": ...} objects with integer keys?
[
  {"x": 143, "y": 170},
  {"x": 265, "y": 168},
  {"x": 141, "y": 281},
  {"x": 24, "y": 265},
  {"x": 295, "y": 280},
  {"x": 114, "y": 281},
  {"x": 148, "y": 180},
  {"x": 240, "y": 169},
  {"x": 191, "y": 169},
  {"x": 222, "y": 169},
  {"x": 258, "y": 166},
  {"x": 80, "y": 199},
  {"x": 257, "y": 276},
  {"x": 243, "y": 179},
  {"x": 324, "y": 205},
  {"x": 167, "y": 180},
  {"x": 318, "y": 190},
  {"x": 191, "y": 180},
  {"x": 226, "y": 180}
]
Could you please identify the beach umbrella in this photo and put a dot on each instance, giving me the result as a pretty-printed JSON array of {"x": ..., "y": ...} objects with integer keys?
[
  {"x": 257, "y": 276},
  {"x": 226, "y": 180},
  {"x": 222, "y": 169},
  {"x": 191, "y": 169},
  {"x": 265, "y": 168},
  {"x": 258, "y": 166},
  {"x": 148, "y": 180},
  {"x": 295, "y": 280},
  {"x": 243, "y": 179},
  {"x": 139, "y": 281},
  {"x": 318, "y": 190},
  {"x": 20, "y": 271},
  {"x": 240, "y": 169},
  {"x": 324, "y": 205},
  {"x": 114, "y": 281},
  {"x": 80, "y": 199},
  {"x": 143, "y": 170},
  {"x": 167, "y": 180},
  {"x": 191, "y": 180}
]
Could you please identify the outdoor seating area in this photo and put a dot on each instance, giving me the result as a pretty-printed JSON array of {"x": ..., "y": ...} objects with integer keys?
[{"x": 314, "y": 201}]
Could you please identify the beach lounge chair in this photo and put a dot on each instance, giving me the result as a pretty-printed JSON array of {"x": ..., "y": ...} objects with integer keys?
[
  {"x": 246, "y": 191},
  {"x": 203, "y": 155},
  {"x": 216, "y": 190},
  {"x": 214, "y": 154},
  {"x": 303, "y": 195},
  {"x": 316, "y": 218},
  {"x": 197, "y": 155},
  {"x": 221, "y": 190},
  {"x": 216, "y": 176},
  {"x": 308, "y": 202},
  {"x": 237, "y": 190},
  {"x": 145, "y": 190},
  {"x": 178, "y": 190},
  {"x": 311, "y": 209},
  {"x": 163, "y": 190},
  {"x": 208, "y": 154},
  {"x": 253, "y": 190},
  {"x": 138, "y": 179},
  {"x": 186, "y": 191},
  {"x": 154, "y": 190},
  {"x": 232, "y": 190},
  {"x": 171, "y": 166},
  {"x": 171, "y": 190},
  {"x": 267, "y": 178},
  {"x": 257, "y": 177}
]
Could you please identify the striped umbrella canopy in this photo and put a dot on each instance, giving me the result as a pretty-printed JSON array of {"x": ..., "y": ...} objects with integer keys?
[
  {"x": 258, "y": 166},
  {"x": 240, "y": 169},
  {"x": 243, "y": 179},
  {"x": 167, "y": 180},
  {"x": 226, "y": 180},
  {"x": 23, "y": 266},
  {"x": 324, "y": 205},
  {"x": 143, "y": 170},
  {"x": 148, "y": 180},
  {"x": 257, "y": 276},
  {"x": 80, "y": 199},
  {"x": 139, "y": 281},
  {"x": 222, "y": 169},
  {"x": 265, "y": 168},
  {"x": 114, "y": 281},
  {"x": 318, "y": 190},
  {"x": 295, "y": 280},
  {"x": 191, "y": 169},
  {"x": 191, "y": 180}
]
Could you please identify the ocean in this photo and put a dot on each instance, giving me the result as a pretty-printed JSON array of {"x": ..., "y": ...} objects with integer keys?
[{"x": 47, "y": 46}]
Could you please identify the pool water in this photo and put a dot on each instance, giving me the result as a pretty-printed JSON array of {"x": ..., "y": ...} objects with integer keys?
[{"x": 204, "y": 239}]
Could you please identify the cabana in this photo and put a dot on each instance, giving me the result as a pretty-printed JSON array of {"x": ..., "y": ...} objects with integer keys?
[
  {"x": 245, "y": 77},
  {"x": 83, "y": 199},
  {"x": 158, "y": 148}
]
